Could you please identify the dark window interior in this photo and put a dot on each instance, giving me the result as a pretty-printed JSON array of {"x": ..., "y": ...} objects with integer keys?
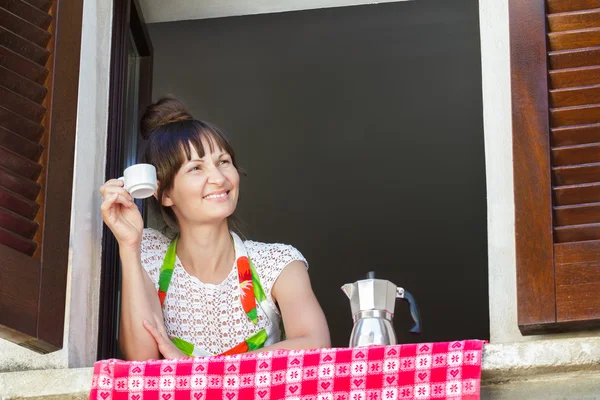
[{"x": 361, "y": 131}]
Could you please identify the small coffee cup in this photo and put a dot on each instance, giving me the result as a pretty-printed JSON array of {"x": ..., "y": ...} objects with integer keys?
[{"x": 140, "y": 180}]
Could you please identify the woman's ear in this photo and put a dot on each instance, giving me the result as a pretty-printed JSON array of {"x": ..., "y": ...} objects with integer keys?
[{"x": 166, "y": 200}]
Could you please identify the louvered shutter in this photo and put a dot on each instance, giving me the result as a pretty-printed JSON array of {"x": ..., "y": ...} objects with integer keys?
[
  {"x": 555, "y": 71},
  {"x": 574, "y": 97},
  {"x": 39, "y": 69}
]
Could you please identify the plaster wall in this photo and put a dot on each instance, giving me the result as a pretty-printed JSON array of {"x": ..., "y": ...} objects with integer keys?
[
  {"x": 162, "y": 11},
  {"x": 86, "y": 224}
]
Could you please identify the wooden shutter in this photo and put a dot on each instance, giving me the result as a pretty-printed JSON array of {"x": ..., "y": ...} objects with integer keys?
[
  {"x": 555, "y": 70},
  {"x": 39, "y": 74}
]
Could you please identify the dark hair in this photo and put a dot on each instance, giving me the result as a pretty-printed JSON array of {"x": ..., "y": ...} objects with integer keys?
[{"x": 170, "y": 130}]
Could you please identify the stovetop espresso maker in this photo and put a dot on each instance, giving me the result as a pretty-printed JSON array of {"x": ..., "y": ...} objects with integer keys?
[{"x": 372, "y": 302}]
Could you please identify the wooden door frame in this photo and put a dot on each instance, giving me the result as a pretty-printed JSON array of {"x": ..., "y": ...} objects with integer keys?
[{"x": 127, "y": 16}]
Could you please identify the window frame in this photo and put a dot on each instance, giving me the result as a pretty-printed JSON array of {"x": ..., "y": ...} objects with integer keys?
[{"x": 127, "y": 19}]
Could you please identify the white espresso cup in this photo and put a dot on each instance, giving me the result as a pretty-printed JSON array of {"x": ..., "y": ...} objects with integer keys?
[{"x": 140, "y": 180}]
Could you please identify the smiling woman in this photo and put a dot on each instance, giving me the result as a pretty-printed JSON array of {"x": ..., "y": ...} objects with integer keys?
[{"x": 202, "y": 290}]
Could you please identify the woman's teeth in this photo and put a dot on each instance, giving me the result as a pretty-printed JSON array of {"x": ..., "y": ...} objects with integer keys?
[{"x": 216, "y": 196}]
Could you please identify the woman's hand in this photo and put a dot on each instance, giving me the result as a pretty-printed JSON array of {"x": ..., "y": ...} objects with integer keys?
[
  {"x": 165, "y": 346},
  {"x": 120, "y": 214}
]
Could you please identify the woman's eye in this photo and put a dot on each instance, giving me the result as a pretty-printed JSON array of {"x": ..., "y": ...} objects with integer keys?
[
  {"x": 196, "y": 168},
  {"x": 222, "y": 162}
]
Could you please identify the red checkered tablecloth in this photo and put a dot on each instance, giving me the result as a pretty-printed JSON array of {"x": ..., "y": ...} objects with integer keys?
[{"x": 449, "y": 370}]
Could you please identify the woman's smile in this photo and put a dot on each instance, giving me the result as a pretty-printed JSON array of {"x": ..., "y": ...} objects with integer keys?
[{"x": 218, "y": 196}]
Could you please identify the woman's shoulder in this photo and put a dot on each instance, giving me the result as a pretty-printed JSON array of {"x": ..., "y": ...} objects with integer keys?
[
  {"x": 272, "y": 255},
  {"x": 154, "y": 246}
]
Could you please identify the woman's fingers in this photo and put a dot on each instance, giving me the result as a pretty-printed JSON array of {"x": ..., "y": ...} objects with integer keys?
[
  {"x": 111, "y": 183},
  {"x": 165, "y": 346},
  {"x": 153, "y": 331},
  {"x": 120, "y": 191},
  {"x": 108, "y": 203}
]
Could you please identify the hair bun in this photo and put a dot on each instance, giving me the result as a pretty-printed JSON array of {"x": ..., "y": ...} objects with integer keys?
[{"x": 166, "y": 110}]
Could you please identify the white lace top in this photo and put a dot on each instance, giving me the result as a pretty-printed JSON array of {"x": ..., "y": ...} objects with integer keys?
[{"x": 210, "y": 316}]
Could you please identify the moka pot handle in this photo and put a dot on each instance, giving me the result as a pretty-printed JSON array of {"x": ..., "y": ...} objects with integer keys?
[{"x": 414, "y": 311}]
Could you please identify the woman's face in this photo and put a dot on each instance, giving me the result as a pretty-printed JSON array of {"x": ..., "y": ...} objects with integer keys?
[{"x": 205, "y": 190}]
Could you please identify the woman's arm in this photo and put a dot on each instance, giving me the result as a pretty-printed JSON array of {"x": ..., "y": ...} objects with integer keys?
[
  {"x": 139, "y": 303},
  {"x": 303, "y": 318}
]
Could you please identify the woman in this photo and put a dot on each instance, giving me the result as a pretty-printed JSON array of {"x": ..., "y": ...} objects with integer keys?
[{"x": 203, "y": 291}]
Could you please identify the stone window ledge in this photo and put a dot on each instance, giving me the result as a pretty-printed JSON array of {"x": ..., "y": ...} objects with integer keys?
[{"x": 502, "y": 363}]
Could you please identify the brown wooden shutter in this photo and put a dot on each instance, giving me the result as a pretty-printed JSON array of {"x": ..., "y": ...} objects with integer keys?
[
  {"x": 39, "y": 73},
  {"x": 555, "y": 70}
]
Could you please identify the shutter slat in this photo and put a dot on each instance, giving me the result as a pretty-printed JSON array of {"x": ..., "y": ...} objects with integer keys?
[
  {"x": 560, "y": 6},
  {"x": 22, "y": 66},
  {"x": 574, "y": 39},
  {"x": 573, "y": 155},
  {"x": 43, "y": 5},
  {"x": 574, "y": 77},
  {"x": 574, "y": 58},
  {"x": 22, "y": 86},
  {"x": 24, "y": 28},
  {"x": 574, "y": 175},
  {"x": 20, "y": 145},
  {"x": 19, "y": 165},
  {"x": 26, "y": 11},
  {"x": 578, "y": 115},
  {"x": 577, "y": 233},
  {"x": 17, "y": 242},
  {"x": 577, "y": 194},
  {"x": 20, "y": 125},
  {"x": 23, "y": 47},
  {"x": 17, "y": 224},
  {"x": 572, "y": 135},
  {"x": 586, "y": 18},
  {"x": 578, "y": 96},
  {"x": 18, "y": 184},
  {"x": 18, "y": 204},
  {"x": 21, "y": 106},
  {"x": 577, "y": 214}
]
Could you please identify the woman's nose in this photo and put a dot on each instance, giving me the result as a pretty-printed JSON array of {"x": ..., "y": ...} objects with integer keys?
[{"x": 215, "y": 176}]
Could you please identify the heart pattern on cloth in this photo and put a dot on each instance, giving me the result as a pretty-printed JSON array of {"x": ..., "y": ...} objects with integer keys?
[{"x": 377, "y": 372}]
